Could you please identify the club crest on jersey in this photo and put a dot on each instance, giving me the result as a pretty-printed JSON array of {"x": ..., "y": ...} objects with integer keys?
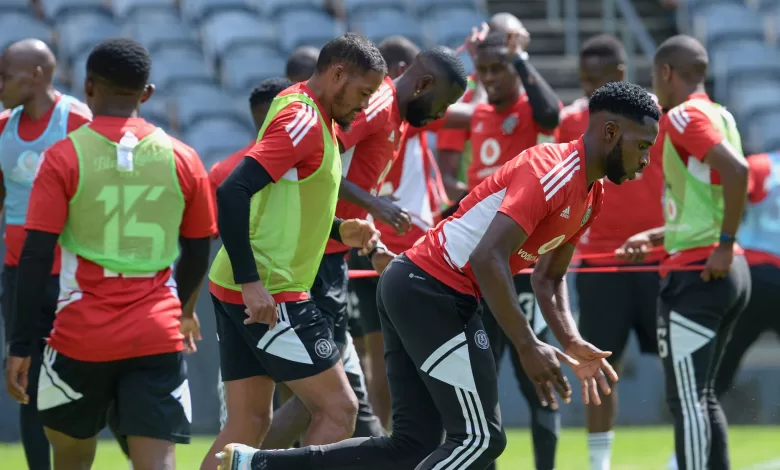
[
  {"x": 481, "y": 339},
  {"x": 509, "y": 124},
  {"x": 586, "y": 216}
]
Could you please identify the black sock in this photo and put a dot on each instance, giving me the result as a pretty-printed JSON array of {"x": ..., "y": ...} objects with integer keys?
[{"x": 290, "y": 459}]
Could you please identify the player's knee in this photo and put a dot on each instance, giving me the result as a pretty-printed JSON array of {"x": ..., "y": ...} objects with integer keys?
[
  {"x": 496, "y": 445},
  {"x": 255, "y": 422},
  {"x": 340, "y": 411}
]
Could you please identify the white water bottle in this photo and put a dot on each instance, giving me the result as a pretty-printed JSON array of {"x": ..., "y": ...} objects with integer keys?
[{"x": 124, "y": 152}]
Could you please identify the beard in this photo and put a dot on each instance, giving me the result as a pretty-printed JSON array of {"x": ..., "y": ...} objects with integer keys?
[
  {"x": 418, "y": 112},
  {"x": 343, "y": 121},
  {"x": 615, "y": 170}
]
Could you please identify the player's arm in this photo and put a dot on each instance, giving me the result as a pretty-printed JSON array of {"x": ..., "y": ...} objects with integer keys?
[
  {"x": 458, "y": 116},
  {"x": 545, "y": 104},
  {"x": 549, "y": 283},
  {"x": 734, "y": 175}
]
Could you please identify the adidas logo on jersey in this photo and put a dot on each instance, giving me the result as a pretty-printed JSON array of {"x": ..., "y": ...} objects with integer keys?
[
  {"x": 478, "y": 127},
  {"x": 392, "y": 137},
  {"x": 566, "y": 212}
]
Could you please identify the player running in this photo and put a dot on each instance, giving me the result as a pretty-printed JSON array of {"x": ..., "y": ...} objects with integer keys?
[
  {"x": 37, "y": 116},
  {"x": 301, "y": 63},
  {"x": 121, "y": 196},
  {"x": 270, "y": 257},
  {"x": 706, "y": 187},
  {"x": 441, "y": 371},
  {"x": 626, "y": 301}
]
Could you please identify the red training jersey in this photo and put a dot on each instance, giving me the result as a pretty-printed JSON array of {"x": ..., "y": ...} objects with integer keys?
[
  {"x": 497, "y": 137},
  {"x": 220, "y": 170},
  {"x": 544, "y": 190},
  {"x": 455, "y": 139},
  {"x": 760, "y": 166},
  {"x": 629, "y": 208},
  {"x": 30, "y": 130},
  {"x": 291, "y": 148},
  {"x": 370, "y": 145},
  {"x": 693, "y": 135},
  {"x": 103, "y": 316}
]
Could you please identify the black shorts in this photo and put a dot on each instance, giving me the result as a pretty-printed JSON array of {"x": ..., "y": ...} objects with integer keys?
[
  {"x": 614, "y": 304},
  {"x": 301, "y": 345},
  {"x": 149, "y": 395},
  {"x": 365, "y": 291},
  {"x": 330, "y": 293}
]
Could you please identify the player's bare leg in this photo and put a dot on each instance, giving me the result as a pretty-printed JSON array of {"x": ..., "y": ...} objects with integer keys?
[
  {"x": 289, "y": 423},
  {"x": 71, "y": 453},
  {"x": 151, "y": 454},
  {"x": 249, "y": 411},
  {"x": 378, "y": 389},
  {"x": 600, "y": 422}
]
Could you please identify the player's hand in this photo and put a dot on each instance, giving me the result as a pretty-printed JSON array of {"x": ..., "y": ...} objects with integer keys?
[
  {"x": 381, "y": 259},
  {"x": 517, "y": 41},
  {"x": 260, "y": 304},
  {"x": 16, "y": 378},
  {"x": 542, "y": 363},
  {"x": 593, "y": 370},
  {"x": 383, "y": 209},
  {"x": 359, "y": 233},
  {"x": 190, "y": 328},
  {"x": 719, "y": 263},
  {"x": 635, "y": 248},
  {"x": 473, "y": 40}
]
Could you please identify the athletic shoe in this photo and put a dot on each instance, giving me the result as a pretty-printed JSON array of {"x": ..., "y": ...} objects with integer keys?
[{"x": 236, "y": 457}]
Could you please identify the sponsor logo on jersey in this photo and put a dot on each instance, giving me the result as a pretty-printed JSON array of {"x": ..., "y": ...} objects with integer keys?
[
  {"x": 510, "y": 123},
  {"x": 526, "y": 255},
  {"x": 586, "y": 216}
]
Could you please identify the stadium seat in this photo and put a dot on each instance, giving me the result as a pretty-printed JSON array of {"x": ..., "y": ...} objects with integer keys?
[
  {"x": 127, "y": 8},
  {"x": 79, "y": 32},
  {"x": 199, "y": 10},
  {"x": 723, "y": 22},
  {"x": 227, "y": 30},
  {"x": 384, "y": 23},
  {"x": 425, "y": 7},
  {"x": 155, "y": 36},
  {"x": 306, "y": 28},
  {"x": 78, "y": 71},
  {"x": 15, "y": 26},
  {"x": 151, "y": 16},
  {"x": 271, "y": 8},
  {"x": 245, "y": 68},
  {"x": 372, "y": 7},
  {"x": 215, "y": 139},
  {"x": 171, "y": 72},
  {"x": 761, "y": 132},
  {"x": 57, "y": 10},
  {"x": 768, "y": 6},
  {"x": 695, "y": 6},
  {"x": 176, "y": 51},
  {"x": 15, "y": 6},
  {"x": 468, "y": 64},
  {"x": 193, "y": 103},
  {"x": 450, "y": 27},
  {"x": 156, "y": 111},
  {"x": 743, "y": 60},
  {"x": 751, "y": 97}
]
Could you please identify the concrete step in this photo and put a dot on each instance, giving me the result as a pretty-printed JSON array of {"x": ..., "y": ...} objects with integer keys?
[
  {"x": 537, "y": 9},
  {"x": 561, "y": 72}
]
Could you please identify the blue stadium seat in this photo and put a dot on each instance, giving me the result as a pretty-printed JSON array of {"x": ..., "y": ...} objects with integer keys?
[
  {"x": 724, "y": 22},
  {"x": 79, "y": 32},
  {"x": 384, "y": 23},
  {"x": 224, "y": 31},
  {"x": 156, "y": 111},
  {"x": 126, "y": 8},
  {"x": 215, "y": 139},
  {"x": 78, "y": 71},
  {"x": 696, "y": 6},
  {"x": 56, "y": 10},
  {"x": 271, "y": 8},
  {"x": 245, "y": 68},
  {"x": 769, "y": 6},
  {"x": 171, "y": 72},
  {"x": 155, "y": 36},
  {"x": 151, "y": 16},
  {"x": 194, "y": 103},
  {"x": 425, "y": 7},
  {"x": 174, "y": 52},
  {"x": 449, "y": 28},
  {"x": 372, "y": 7},
  {"x": 306, "y": 28},
  {"x": 16, "y": 26},
  {"x": 15, "y": 6},
  {"x": 743, "y": 60},
  {"x": 200, "y": 10},
  {"x": 468, "y": 64},
  {"x": 754, "y": 96},
  {"x": 762, "y": 135}
]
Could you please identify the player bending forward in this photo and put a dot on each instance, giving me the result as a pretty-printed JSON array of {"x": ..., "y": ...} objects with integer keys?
[{"x": 440, "y": 368}]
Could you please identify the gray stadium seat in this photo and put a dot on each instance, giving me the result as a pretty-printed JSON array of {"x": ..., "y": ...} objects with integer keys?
[
  {"x": 17, "y": 6},
  {"x": 724, "y": 22},
  {"x": 468, "y": 64},
  {"x": 152, "y": 16},
  {"x": 200, "y": 10},
  {"x": 126, "y": 8},
  {"x": 171, "y": 72},
  {"x": 156, "y": 111},
  {"x": 450, "y": 27},
  {"x": 80, "y": 32},
  {"x": 271, "y": 8},
  {"x": 245, "y": 68},
  {"x": 762, "y": 135},
  {"x": 360, "y": 7},
  {"x": 744, "y": 60},
  {"x": 78, "y": 71},
  {"x": 16, "y": 26},
  {"x": 226, "y": 30},
  {"x": 306, "y": 28},
  {"x": 383, "y": 23},
  {"x": 751, "y": 97},
  {"x": 155, "y": 36},
  {"x": 424, "y": 7},
  {"x": 769, "y": 6},
  {"x": 177, "y": 50},
  {"x": 56, "y": 10},
  {"x": 215, "y": 139},
  {"x": 695, "y": 6},
  {"x": 194, "y": 103}
]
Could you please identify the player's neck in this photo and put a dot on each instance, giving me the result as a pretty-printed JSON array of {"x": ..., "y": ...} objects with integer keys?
[
  {"x": 405, "y": 88},
  {"x": 507, "y": 103},
  {"x": 40, "y": 103},
  {"x": 687, "y": 91},
  {"x": 318, "y": 90},
  {"x": 594, "y": 166}
]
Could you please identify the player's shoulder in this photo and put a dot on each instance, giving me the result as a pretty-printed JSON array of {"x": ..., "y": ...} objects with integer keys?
[
  {"x": 5, "y": 115},
  {"x": 575, "y": 109},
  {"x": 78, "y": 108},
  {"x": 382, "y": 104},
  {"x": 184, "y": 154}
]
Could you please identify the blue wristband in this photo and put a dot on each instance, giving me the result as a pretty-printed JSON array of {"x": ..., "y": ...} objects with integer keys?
[{"x": 727, "y": 238}]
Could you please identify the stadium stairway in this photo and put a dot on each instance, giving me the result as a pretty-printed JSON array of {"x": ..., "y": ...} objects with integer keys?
[{"x": 547, "y": 38}]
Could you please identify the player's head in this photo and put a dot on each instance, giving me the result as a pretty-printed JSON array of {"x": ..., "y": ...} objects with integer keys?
[
  {"x": 624, "y": 125},
  {"x": 117, "y": 79},
  {"x": 301, "y": 63},
  {"x": 506, "y": 23},
  {"x": 439, "y": 80},
  {"x": 399, "y": 53},
  {"x": 349, "y": 69},
  {"x": 495, "y": 69},
  {"x": 602, "y": 60},
  {"x": 679, "y": 68},
  {"x": 262, "y": 96},
  {"x": 26, "y": 70}
]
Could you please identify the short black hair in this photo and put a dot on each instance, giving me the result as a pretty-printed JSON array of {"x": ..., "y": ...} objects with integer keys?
[
  {"x": 355, "y": 51},
  {"x": 267, "y": 91},
  {"x": 448, "y": 63},
  {"x": 493, "y": 39},
  {"x": 302, "y": 62},
  {"x": 605, "y": 47},
  {"x": 397, "y": 49},
  {"x": 122, "y": 63},
  {"x": 625, "y": 99}
]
